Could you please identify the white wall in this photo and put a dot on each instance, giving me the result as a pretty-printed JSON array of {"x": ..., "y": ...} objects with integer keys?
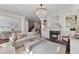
[
  {"x": 53, "y": 22},
  {"x": 24, "y": 25},
  {"x": 7, "y": 19},
  {"x": 8, "y": 23},
  {"x": 61, "y": 21}
]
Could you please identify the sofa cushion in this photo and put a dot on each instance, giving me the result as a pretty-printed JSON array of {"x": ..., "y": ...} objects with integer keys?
[{"x": 20, "y": 42}]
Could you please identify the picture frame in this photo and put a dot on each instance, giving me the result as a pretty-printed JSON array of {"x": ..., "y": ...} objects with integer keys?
[{"x": 71, "y": 22}]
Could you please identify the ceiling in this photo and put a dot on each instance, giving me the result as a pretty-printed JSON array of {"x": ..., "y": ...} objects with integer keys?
[{"x": 28, "y": 10}]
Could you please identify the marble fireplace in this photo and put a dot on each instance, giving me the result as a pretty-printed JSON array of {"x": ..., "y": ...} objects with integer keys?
[{"x": 54, "y": 36}]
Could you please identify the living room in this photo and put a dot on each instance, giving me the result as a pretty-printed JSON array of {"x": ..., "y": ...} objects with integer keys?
[{"x": 24, "y": 30}]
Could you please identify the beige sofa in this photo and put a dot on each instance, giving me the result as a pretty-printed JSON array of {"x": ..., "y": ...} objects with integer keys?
[{"x": 20, "y": 42}]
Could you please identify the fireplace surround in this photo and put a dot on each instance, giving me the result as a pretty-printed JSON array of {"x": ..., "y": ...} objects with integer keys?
[{"x": 54, "y": 36}]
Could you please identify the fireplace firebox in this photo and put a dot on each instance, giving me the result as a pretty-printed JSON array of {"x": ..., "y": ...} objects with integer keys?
[{"x": 54, "y": 36}]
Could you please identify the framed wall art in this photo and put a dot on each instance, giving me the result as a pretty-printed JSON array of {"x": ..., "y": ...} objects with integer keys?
[{"x": 71, "y": 22}]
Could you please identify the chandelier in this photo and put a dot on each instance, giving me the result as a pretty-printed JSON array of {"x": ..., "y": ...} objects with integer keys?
[{"x": 41, "y": 12}]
